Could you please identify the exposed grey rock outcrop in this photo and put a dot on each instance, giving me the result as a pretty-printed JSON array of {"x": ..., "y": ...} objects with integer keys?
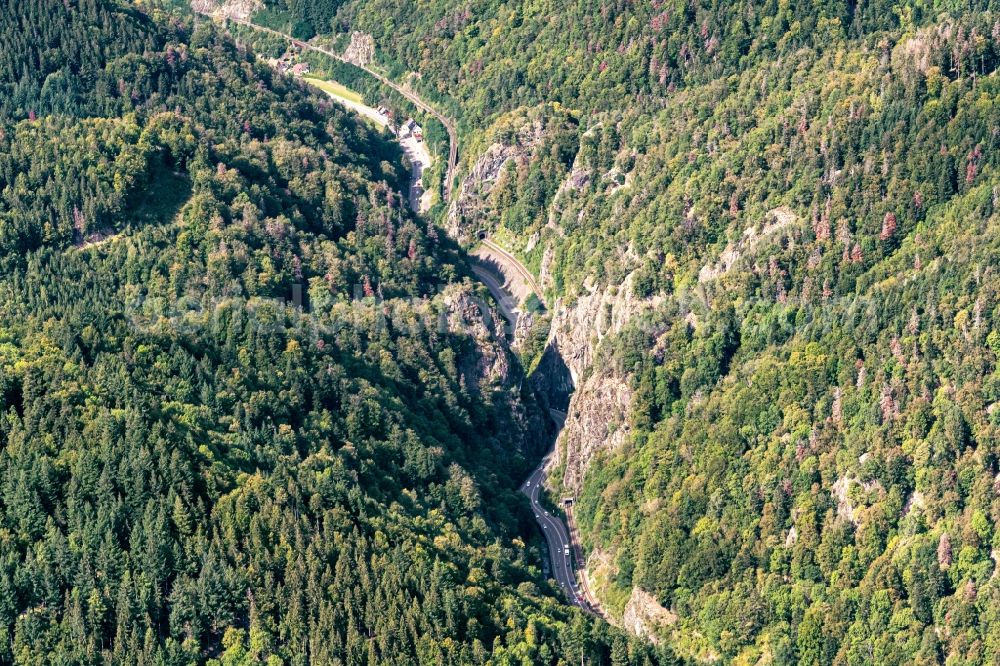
[
  {"x": 643, "y": 615},
  {"x": 361, "y": 50},
  {"x": 571, "y": 376},
  {"x": 490, "y": 366},
  {"x": 235, "y": 9},
  {"x": 597, "y": 419},
  {"x": 482, "y": 177},
  {"x": 490, "y": 370}
]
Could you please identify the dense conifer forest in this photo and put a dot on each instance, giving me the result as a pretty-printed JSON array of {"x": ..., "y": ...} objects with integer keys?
[
  {"x": 247, "y": 412},
  {"x": 250, "y": 412}
]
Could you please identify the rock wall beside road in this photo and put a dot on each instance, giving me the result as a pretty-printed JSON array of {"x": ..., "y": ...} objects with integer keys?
[
  {"x": 504, "y": 267},
  {"x": 471, "y": 210},
  {"x": 598, "y": 414},
  {"x": 490, "y": 370},
  {"x": 574, "y": 375}
]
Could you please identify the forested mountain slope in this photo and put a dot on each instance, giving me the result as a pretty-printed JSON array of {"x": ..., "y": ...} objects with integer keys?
[
  {"x": 251, "y": 412},
  {"x": 769, "y": 232}
]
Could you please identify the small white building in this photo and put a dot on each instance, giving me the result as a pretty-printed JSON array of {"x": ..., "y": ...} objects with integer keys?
[{"x": 411, "y": 128}]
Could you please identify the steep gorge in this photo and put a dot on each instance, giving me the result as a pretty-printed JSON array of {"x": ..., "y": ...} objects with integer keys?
[
  {"x": 575, "y": 372},
  {"x": 572, "y": 372}
]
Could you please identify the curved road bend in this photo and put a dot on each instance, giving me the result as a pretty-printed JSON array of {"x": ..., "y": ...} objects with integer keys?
[
  {"x": 448, "y": 123},
  {"x": 555, "y": 531},
  {"x": 506, "y": 303},
  {"x": 557, "y": 534},
  {"x": 521, "y": 269}
]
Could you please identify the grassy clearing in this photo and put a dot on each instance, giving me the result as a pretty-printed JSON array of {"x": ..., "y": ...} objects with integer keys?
[{"x": 335, "y": 89}]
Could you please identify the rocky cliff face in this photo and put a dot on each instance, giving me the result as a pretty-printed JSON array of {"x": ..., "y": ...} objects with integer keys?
[
  {"x": 597, "y": 418},
  {"x": 574, "y": 374},
  {"x": 361, "y": 50},
  {"x": 490, "y": 365},
  {"x": 643, "y": 615},
  {"x": 464, "y": 218},
  {"x": 235, "y": 9},
  {"x": 597, "y": 399},
  {"x": 490, "y": 370}
]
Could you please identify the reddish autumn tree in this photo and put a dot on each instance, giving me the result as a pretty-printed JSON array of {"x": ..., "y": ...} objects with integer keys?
[
  {"x": 856, "y": 255},
  {"x": 888, "y": 226}
]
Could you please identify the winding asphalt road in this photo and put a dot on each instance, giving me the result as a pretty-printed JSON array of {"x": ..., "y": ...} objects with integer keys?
[
  {"x": 522, "y": 270},
  {"x": 505, "y": 303},
  {"x": 557, "y": 534},
  {"x": 555, "y": 531}
]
